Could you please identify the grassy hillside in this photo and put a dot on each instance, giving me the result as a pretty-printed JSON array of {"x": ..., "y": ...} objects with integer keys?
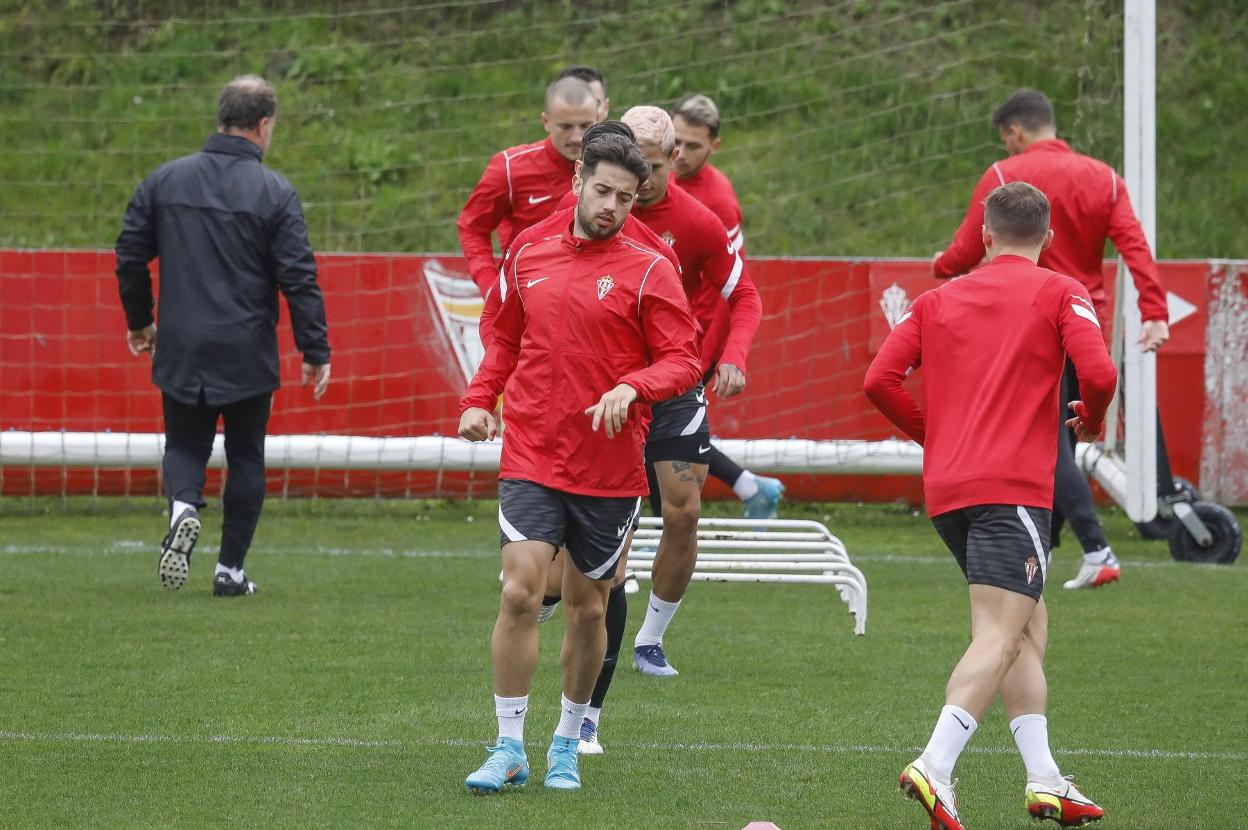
[{"x": 852, "y": 127}]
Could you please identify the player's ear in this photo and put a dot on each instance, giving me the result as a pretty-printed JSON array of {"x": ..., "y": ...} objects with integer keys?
[
  {"x": 1048, "y": 239},
  {"x": 577, "y": 182},
  {"x": 986, "y": 236},
  {"x": 546, "y": 122},
  {"x": 715, "y": 145}
]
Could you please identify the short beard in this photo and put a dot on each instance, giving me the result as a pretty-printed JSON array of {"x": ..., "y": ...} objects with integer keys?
[{"x": 590, "y": 229}]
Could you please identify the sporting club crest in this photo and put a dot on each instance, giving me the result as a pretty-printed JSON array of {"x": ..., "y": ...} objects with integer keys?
[
  {"x": 894, "y": 303},
  {"x": 1032, "y": 566},
  {"x": 670, "y": 239},
  {"x": 605, "y": 284}
]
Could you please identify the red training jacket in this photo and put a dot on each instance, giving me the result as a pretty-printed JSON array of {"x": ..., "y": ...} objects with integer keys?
[
  {"x": 711, "y": 271},
  {"x": 558, "y": 222},
  {"x": 993, "y": 345},
  {"x": 713, "y": 189},
  {"x": 520, "y": 186},
  {"x": 578, "y": 318},
  {"x": 1088, "y": 204}
]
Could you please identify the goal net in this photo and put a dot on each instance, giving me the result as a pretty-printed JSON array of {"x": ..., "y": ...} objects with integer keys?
[{"x": 853, "y": 133}]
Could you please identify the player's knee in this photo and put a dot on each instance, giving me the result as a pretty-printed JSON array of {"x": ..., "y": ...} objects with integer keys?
[
  {"x": 681, "y": 514},
  {"x": 588, "y": 611},
  {"x": 519, "y": 599}
]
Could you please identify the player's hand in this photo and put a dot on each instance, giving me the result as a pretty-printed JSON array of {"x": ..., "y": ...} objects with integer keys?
[
  {"x": 318, "y": 376},
  {"x": 1153, "y": 333},
  {"x": 729, "y": 381},
  {"x": 612, "y": 409},
  {"x": 1078, "y": 423},
  {"x": 143, "y": 340},
  {"x": 477, "y": 425}
]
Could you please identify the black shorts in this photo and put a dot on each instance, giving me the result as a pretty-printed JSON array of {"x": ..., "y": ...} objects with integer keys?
[
  {"x": 679, "y": 430},
  {"x": 1002, "y": 545},
  {"x": 593, "y": 528}
]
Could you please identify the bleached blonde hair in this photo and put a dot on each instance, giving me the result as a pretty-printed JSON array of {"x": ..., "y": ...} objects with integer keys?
[{"x": 652, "y": 125}]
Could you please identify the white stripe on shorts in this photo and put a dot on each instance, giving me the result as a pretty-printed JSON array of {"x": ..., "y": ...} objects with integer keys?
[
  {"x": 509, "y": 531},
  {"x": 695, "y": 422},
  {"x": 1035, "y": 540},
  {"x": 597, "y": 572}
]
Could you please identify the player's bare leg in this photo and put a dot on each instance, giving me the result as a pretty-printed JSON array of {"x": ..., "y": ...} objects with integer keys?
[
  {"x": 680, "y": 484},
  {"x": 1024, "y": 692}
]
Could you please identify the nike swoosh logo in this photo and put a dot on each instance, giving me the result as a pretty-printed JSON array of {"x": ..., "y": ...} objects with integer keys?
[
  {"x": 514, "y": 771},
  {"x": 701, "y": 397},
  {"x": 622, "y": 529},
  {"x": 959, "y": 720},
  {"x": 536, "y": 281},
  {"x": 537, "y": 200},
  {"x": 704, "y": 449},
  {"x": 655, "y": 610},
  {"x": 521, "y": 711}
]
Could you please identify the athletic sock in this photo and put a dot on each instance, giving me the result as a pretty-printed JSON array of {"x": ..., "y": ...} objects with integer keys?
[
  {"x": 617, "y": 619},
  {"x": 570, "y": 717},
  {"x": 746, "y": 487},
  {"x": 658, "y": 617},
  {"x": 954, "y": 728},
  {"x": 236, "y": 574},
  {"x": 511, "y": 712},
  {"x": 1031, "y": 733},
  {"x": 1102, "y": 556},
  {"x": 176, "y": 511},
  {"x": 594, "y": 714}
]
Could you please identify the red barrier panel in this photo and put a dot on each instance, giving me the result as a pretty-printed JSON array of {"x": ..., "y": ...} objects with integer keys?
[{"x": 399, "y": 367}]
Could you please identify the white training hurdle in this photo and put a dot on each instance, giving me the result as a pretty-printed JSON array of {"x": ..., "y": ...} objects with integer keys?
[{"x": 763, "y": 550}]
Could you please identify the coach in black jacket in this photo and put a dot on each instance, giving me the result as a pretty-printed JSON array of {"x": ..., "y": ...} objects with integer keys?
[{"x": 229, "y": 233}]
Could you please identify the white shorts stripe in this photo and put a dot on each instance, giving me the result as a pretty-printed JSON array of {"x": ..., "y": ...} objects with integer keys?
[
  {"x": 597, "y": 572},
  {"x": 1035, "y": 541},
  {"x": 508, "y": 529},
  {"x": 696, "y": 422}
]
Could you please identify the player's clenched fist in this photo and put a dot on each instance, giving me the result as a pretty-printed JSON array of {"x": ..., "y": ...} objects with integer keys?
[
  {"x": 729, "y": 380},
  {"x": 612, "y": 409},
  {"x": 477, "y": 425}
]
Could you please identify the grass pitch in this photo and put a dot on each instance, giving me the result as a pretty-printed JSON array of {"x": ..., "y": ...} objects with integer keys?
[{"x": 354, "y": 689}]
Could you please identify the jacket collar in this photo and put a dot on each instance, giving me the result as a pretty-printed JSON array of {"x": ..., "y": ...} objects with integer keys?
[
  {"x": 232, "y": 145},
  {"x": 548, "y": 147},
  {"x": 1048, "y": 145},
  {"x": 575, "y": 245}
]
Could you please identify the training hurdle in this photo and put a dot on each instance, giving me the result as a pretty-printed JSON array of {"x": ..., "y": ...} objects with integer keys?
[{"x": 763, "y": 550}]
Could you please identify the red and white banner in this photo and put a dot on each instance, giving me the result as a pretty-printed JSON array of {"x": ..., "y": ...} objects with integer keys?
[{"x": 403, "y": 332}]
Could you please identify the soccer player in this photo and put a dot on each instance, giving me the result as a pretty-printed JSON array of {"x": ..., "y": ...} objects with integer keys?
[
  {"x": 230, "y": 236},
  {"x": 696, "y": 121},
  {"x": 523, "y": 184},
  {"x": 597, "y": 85},
  {"x": 591, "y": 324},
  {"x": 1090, "y": 204},
  {"x": 992, "y": 347}
]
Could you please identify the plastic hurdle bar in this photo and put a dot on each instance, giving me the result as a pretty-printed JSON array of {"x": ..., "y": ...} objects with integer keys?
[{"x": 763, "y": 550}]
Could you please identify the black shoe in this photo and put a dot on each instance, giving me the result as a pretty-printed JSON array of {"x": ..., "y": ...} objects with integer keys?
[
  {"x": 223, "y": 585},
  {"x": 175, "y": 551}
]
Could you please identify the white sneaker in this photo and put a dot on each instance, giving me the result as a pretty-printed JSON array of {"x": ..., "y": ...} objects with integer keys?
[
  {"x": 631, "y": 586},
  {"x": 936, "y": 797},
  {"x": 1094, "y": 576},
  {"x": 589, "y": 744},
  {"x": 1063, "y": 803},
  {"x": 545, "y": 612}
]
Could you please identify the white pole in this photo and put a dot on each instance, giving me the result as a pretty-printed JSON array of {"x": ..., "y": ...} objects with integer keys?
[{"x": 1139, "y": 123}]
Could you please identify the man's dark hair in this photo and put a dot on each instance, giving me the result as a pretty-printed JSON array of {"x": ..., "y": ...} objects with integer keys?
[
  {"x": 244, "y": 101},
  {"x": 1017, "y": 214},
  {"x": 609, "y": 128},
  {"x": 1028, "y": 109},
  {"x": 613, "y": 148},
  {"x": 700, "y": 111},
  {"x": 585, "y": 73}
]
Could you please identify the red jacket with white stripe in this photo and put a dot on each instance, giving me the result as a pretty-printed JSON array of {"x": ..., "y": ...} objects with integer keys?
[
  {"x": 711, "y": 271},
  {"x": 557, "y": 222},
  {"x": 992, "y": 346},
  {"x": 578, "y": 318},
  {"x": 1088, "y": 203},
  {"x": 713, "y": 189},
  {"x": 520, "y": 186}
]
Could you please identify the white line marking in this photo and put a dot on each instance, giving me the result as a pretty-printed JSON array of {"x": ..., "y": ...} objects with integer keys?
[{"x": 642, "y": 746}]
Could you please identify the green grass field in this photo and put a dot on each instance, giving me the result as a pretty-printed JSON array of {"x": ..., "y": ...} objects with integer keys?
[{"x": 354, "y": 689}]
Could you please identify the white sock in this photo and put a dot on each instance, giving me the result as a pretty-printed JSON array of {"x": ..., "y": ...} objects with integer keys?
[
  {"x": 570, "y": 717},
  {"x": 511, "y": 712},
  {"x": 236, "y": 574},
  {"x": 658, "y": 617},
  {"x": 594, "y": 715},
  {"x": 746, "y": 487},
  {"x": 176, "y": 510},
  {"x": 1104, "y": 556},
  {"x": 1031, "y": 733},
  {"x": 954, "y": 728}
]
